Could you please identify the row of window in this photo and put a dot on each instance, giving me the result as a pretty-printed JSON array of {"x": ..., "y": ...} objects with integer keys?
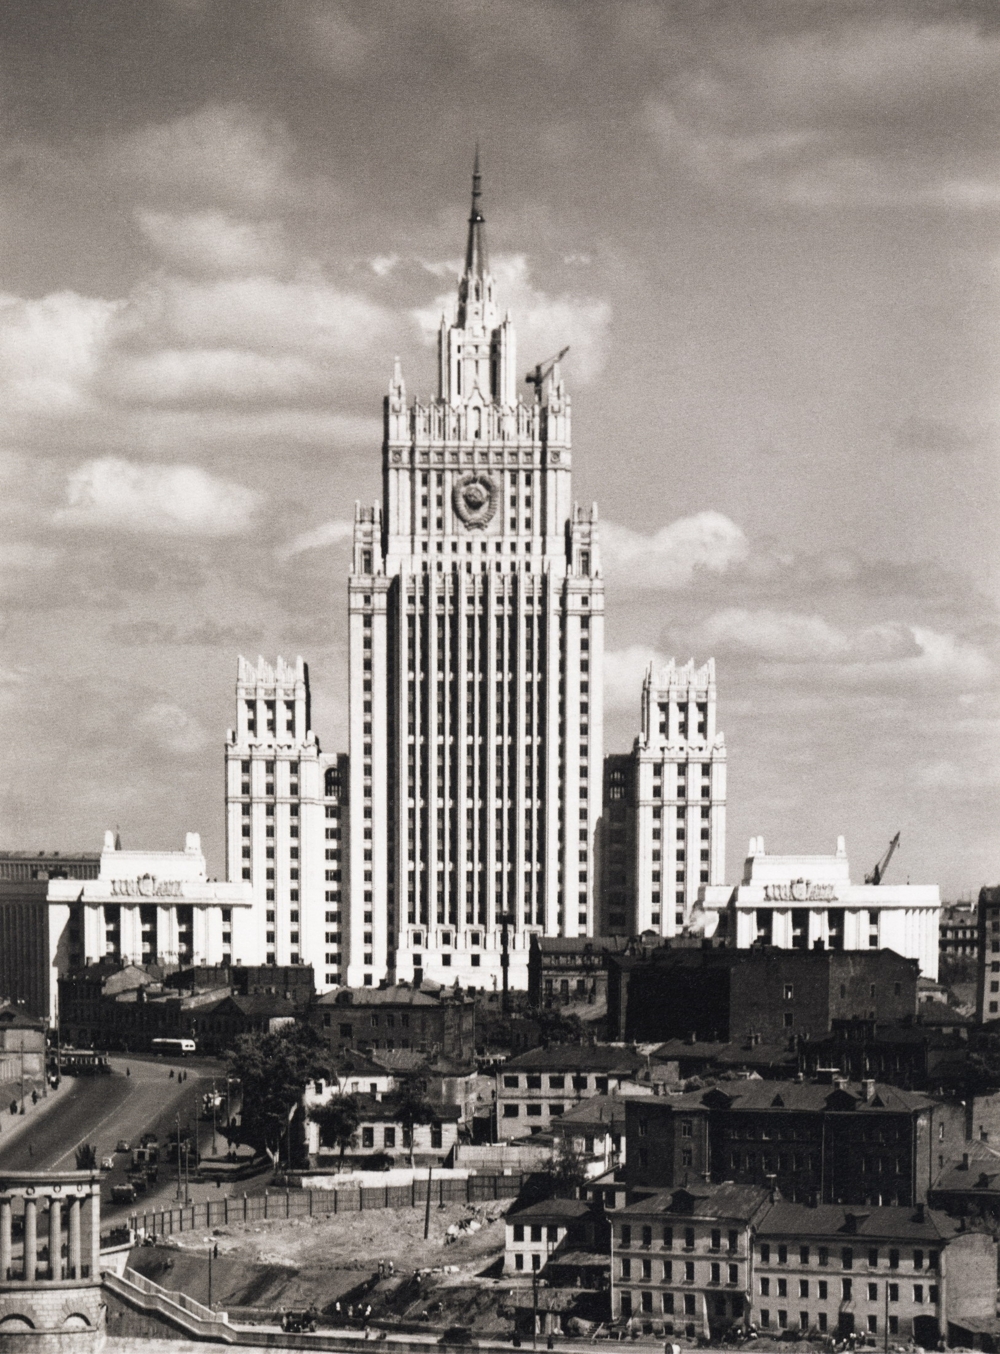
[
  {"x": 666, "y": 1238},
  {"x": 770, "y": 1287},
  {"x": 556, "y": 1082},
  {"x": 644, "y": 1269},
  {"x": 920, "y": 1259}
]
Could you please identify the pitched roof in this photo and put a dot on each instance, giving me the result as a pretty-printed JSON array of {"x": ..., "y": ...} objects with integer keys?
[
  {"x": 400, "y": 995},
  {"x": 802, "y": 1095},
  {"x": 553, "y": 1210},
  {"x": 577, "y": 1058},
  {"x": 702, "y": 1201},
  {"x": 605, "y": 1112},
  {"x": 981, "y": 1174},
  {"x": 785, "y": 1219}
]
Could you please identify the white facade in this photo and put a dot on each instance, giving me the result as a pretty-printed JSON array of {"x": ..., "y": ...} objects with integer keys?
[
  {"x": 680, "y": 822},
  {"x": 476, "y": 643},
  {"x": 286, "y": 822},
  {"x": 148, "y": 907},
  {"x": 799, "y": 902}
]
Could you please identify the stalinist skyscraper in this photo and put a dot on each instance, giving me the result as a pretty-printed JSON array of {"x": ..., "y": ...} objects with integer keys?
[{"x": 476, "y": 639}]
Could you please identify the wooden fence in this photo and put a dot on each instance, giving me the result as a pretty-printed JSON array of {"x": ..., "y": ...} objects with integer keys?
[{"x": 301, "y": 1203}]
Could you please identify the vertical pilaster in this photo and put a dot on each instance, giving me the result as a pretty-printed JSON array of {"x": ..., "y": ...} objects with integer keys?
[
  {"x": 30, "y": 1240},
  {"x": 55, "y": 1238},
  {"x": 6, "y": 1228}
]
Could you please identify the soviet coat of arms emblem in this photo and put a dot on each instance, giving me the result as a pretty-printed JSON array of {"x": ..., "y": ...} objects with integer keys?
[{"x": 475, "y": 497}]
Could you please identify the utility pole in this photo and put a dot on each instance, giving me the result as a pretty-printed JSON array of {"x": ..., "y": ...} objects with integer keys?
[
  {"x": 215, "y": 1146},
  {"x": 506, "y": 920},
  {"x": 427, "y": 1211},
  {"x": 178, "y": 1156},
  {"x": 210, "y": 1249},
  {"x": 22, "y": 1071}
]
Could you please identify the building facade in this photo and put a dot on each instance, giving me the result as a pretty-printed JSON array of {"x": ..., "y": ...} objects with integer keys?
[
  {"x": 436, "y": 1022},
  {"x": 664, "y": 810},
  {"x": 682, "y": 1258},
  {"x": 761, "y": 996},
  {"x": 476, "y": 641},
  {"x": 809, "y": 902},
  {"x": 882, "y": 1273},
  {"x": 286, "y": 821},
  {"x": 842, "y": 1144},
  {"x": 539, "y": 1086},
  {"x": 988, "y": 956},
  {"x": 149, "y": 907}
]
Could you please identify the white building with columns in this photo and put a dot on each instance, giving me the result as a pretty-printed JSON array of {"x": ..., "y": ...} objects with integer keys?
[
  {"x": 151, "y": 907},
  {"x": 805, "y": 902}
]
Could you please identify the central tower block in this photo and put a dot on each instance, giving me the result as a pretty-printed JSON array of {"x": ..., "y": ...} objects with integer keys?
[{"x": 476, "y": 641}]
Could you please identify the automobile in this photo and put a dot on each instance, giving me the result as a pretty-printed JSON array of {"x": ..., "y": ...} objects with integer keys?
[
  {"x": 456, "y": 1335},
  {"x": 123, "y": 1194},
  {"x": 123, "y": 1145},
  {"x": 107, "y": 1163}
]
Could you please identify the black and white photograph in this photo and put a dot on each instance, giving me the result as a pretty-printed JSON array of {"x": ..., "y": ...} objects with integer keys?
[{"x": 499, "y": 538}]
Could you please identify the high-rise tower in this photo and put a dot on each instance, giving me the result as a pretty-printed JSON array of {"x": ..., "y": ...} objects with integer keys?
[
  {"x": 476, "y": 639},
  {"x": 664, "y": 824}
]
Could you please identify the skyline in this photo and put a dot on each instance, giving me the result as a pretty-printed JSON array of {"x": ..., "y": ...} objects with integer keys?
[{"x": 768, "y": 236}]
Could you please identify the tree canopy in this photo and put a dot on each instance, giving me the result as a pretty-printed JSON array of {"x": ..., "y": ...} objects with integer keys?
[
  {"x": 338, "y": 1121},
  {"x": 409, "y": 1103},
  {"x": 273, "y": 1068}
]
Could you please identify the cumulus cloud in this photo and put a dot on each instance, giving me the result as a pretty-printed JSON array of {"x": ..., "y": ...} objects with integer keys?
[
  {"x": 261, "y": 314},
  {"x": 330, "y": 533},
  {"x": 180, "y": 500},
  {"x": 624, "y": 670},
  {"x": 320, "y": 32},
  {"x": 672, "y": 556},
  {"x": 207, "y": 376},
  {"x": 50, "y": 351},
  {"x": 228, "y": 155},
  {"x": 214, "y": 241},
  {"x": 867, "y": 110},
  {"x": 545, "y": 324},
  {"x": 172, "y": 729},
  {"x": 793, "y": 643}
]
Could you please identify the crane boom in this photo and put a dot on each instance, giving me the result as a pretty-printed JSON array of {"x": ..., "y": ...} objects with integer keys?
[
  {"x": 878, "y": 874},
  {"x": 537, "y": 376}
]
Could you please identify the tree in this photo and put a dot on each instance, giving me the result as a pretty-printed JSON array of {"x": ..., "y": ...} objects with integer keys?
[
  {"x": 409, "y": 1104},
  {"x": 567, "y": 1170},
  {"x": 338, "y": 1121},
  {"x": 273, "y": 1068}
]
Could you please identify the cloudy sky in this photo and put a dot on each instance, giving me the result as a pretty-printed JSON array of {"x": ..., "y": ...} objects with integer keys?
[{"x": 767, "y": 229}]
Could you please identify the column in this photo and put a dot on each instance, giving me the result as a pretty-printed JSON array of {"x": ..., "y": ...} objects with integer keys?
[
  {"x": 95, "y": 1231},
  {"x": 30, "y": 1239},
  {"x": 5, "y": 1235},
  {"x": 55, "y": 1239},
  {"x": 74, "y": 1259}
]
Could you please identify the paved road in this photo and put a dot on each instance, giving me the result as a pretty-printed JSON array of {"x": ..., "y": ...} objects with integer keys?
[{"x": 102, "y": 1110}]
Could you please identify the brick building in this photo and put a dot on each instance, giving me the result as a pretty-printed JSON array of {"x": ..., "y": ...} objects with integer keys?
[
  {"x": 847, "y": 1143},
  {"x": 761, "y": 994},
  {"x": 988, "y": 946},
  {"x": 427, "y": 1019},
  {"x": 562, "y": 969}
]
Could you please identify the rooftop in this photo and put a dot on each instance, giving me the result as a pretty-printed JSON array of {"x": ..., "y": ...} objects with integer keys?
[
  {"x": 553, "y": 1210},
  {"x": 801, "y": 1095},
  {"x": 400, "y": 995},
  {"x": 702, "y": 1201},
  {"x": 577, "y": 1057},
  {"x": 889, "y": 1224}
]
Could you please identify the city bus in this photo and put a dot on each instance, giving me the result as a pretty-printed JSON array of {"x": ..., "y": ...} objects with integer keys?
[{"x": 176, "y": 1048}]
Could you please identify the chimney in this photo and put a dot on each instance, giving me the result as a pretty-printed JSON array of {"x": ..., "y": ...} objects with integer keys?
[
  {"x": 965, "y": 1161},
  {"x": 869, "y": 1090},
  {"x": 692, "y": 1037},
  {"x": 920, "y": 1213}
]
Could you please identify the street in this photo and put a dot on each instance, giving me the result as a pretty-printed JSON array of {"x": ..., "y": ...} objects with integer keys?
[{"x": 102, "y": 1110}]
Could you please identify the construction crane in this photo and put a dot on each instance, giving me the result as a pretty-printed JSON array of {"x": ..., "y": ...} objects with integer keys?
[
  {"x": 878, "y": 874},
  {"x": 536, "y": 377}
]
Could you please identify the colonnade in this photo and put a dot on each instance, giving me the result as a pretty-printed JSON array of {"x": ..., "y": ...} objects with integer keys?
[{"x": 73, "y": 1200}]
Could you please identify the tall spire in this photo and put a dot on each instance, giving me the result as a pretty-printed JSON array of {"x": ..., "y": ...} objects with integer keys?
[{"x": 475, "y": 253}]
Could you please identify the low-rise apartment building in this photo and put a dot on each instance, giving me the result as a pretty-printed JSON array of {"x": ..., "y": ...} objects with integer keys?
[
  {"x": 681, "y": 1259},
  {"x": 381, "y": 1133},
  {"x": 427, "y": 1019},
  {"x": 555, "y": 1234},
  {"x": 889, "y": 1273},
  {"x": 848, "y": 1143},
  {"x": 542, "y": 1084}
]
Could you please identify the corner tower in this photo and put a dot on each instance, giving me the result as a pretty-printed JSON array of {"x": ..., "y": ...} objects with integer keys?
[{"x": 476, "y": 639}]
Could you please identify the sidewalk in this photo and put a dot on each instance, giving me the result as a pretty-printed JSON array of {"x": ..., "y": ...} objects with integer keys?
[{"x": 11, "y": 1126}]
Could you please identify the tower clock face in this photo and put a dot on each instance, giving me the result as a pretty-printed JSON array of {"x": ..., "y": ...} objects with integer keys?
[{"x": 475, "y": 498}]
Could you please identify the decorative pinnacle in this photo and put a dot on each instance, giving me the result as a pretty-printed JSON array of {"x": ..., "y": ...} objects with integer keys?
[{"x": 475, "y": 254}]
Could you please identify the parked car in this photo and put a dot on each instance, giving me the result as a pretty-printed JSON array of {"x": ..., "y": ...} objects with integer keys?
[
  {"x": 123, "y": 1145},
  {"x": 123, "y": 1194}
]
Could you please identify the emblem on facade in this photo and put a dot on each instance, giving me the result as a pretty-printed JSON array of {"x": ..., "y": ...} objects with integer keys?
[
  {"x": 475, "y": 498},
  {"x": 146, "y": 886},
  {"x": 800, "y": 891}
]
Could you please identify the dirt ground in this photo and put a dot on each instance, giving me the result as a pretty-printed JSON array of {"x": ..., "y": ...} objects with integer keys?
[{"x": 361, "y": 1240}]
